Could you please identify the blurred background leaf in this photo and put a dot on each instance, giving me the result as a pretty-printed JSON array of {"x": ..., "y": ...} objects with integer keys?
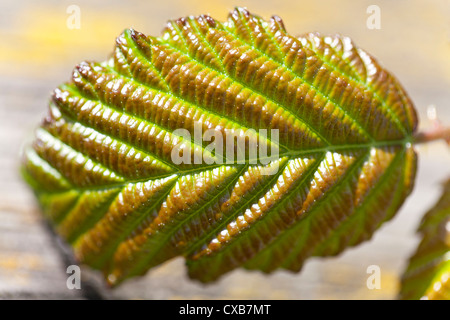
[{"x": 428, "y": 274}]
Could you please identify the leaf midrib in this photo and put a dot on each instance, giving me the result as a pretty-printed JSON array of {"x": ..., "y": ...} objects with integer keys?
[{"x": 290, "y": 155}]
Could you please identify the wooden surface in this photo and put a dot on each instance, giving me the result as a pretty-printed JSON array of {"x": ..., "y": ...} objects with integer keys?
[{"x": 38, "y": 52}]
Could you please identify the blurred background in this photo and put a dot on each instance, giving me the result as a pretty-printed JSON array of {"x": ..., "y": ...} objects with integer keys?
[{"x": 38, "y": 51}]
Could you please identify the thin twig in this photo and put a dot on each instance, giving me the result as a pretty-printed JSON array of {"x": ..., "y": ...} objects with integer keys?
[{"x": 437, "y": 133}]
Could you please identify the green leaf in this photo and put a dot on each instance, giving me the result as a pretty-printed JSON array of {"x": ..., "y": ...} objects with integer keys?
[
  {"x": 103, "y": 167},
  {"x": 428, "y": 274}
]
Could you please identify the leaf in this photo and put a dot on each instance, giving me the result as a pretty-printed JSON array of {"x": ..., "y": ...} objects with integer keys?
[
  {"x": 428, "y": 274},
  {"x": 103, "y": 170}
]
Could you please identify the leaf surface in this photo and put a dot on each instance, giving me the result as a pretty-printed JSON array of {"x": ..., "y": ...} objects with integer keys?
[{"x": 102, "y": 162}]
